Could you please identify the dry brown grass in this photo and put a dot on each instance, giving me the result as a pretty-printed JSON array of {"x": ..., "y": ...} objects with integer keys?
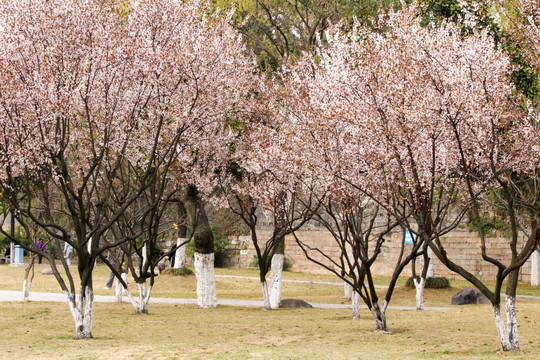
[{"x": 46, "y": 330}]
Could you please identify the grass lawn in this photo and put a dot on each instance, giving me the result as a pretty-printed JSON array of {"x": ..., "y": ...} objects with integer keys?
[{"x": 45, "y": 330}]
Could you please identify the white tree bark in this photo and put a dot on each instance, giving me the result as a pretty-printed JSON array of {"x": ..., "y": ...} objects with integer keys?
[
  {"x": 27, "y": 284},
  {"x": 535, "y": 281},
  {"x": 347, "y": 291},
  {"x": 120, "y": 290},
  {"x": 355, "y": 305},
  {"x": 379, "y": 312},
  {"x": 82, "y": 312},
  {"x": 507, "y": 334},
  {"x": 511, "y": 320},
  {"x": 276, "y": 275},
  {"x": 206, "y": 282},
  {"x": 430, "y": 271},
  {"x": 419, "y": 285},
  {"x": 180, "y": 254},
  {"x": 266, "y": 296}
]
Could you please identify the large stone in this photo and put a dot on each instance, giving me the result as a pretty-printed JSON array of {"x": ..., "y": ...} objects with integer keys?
[
  {"x": 294, "y": 304},
  {"x": 465, "y": 297},
  {"x": 481, "y": 298},
  {"x": 47, "y": 271}
]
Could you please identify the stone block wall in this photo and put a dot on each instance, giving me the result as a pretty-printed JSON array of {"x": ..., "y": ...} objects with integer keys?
[{"x": 462, "y": 246}]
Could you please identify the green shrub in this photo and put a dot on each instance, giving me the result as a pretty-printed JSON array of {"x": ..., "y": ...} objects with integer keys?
[
  {"x": 431, "y": 283},
  {"x": 178, "y": 272},
  {"x": 287, "y": 263}
]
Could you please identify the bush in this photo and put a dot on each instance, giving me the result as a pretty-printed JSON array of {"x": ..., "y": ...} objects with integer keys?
[
  {"x": 287, "y": 263},
  {"x": 178, "y": 272},
  {"x": 431, "y": 283}
]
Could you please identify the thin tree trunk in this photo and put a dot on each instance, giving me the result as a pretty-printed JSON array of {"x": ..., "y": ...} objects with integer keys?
[
  {"x": 355, "y": 305},
  {"x": 347, "y": 291},
  {"x": 535, "y": 279},
  {"x": 419, "y": 285},
  {"x": 266, "y": 296},
  {"x": 120, "y": 290},
  {"x": 180, "y": 256},
  {"x": 28, "y": 278}
]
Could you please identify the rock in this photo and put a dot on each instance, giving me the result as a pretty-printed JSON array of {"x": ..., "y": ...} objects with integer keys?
[
  {"x": 46, "y": 271},
  {"x": 469, "y": 295},
  {"x": 482, "y": 299},
  {"x": 294, "y": 304},
  {"x": 465, "y": 297}
]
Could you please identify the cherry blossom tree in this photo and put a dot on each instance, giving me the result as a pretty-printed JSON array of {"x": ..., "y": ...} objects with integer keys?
[
  {"x": 524, "y": 27},
  {"x": 260, "y": 182},
  {"x": 91, "y": 88},
  {"x": 422, "y": 118}
]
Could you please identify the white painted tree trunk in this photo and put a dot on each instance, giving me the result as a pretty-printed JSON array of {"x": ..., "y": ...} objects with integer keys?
[
  {"x": 27, "y": 285},
  {"x": 120, "y": 290},
  {"x": 419, "y": 285},
  {"x": 431, "y": 270},
  {"x": 206, "y": 281},
  {"x": 28, "y": 278},
  {"x": 266, "y": 296},
  {"x": 180, "y": 256},
  {"x": 535, "y": 281},
  {"x": 82, "y": 312},
  {"x": 507, "y": 332},
  {"x": 140, "y": 304},
  {"x": 355, "y": 305},
  {"x": 380, "y": 317},
  {"x": 276, "y": 275},
  {"x": 347, "y": 291}
]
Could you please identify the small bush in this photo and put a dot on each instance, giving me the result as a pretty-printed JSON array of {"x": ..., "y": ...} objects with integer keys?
[
  {"x": 178, "y": 272},
  {"x": 431, "y": 283},
  {"x": 287, "y": 263}
]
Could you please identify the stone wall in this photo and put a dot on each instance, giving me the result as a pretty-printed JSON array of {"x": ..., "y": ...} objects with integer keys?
[{"x": 463, "y": 247}]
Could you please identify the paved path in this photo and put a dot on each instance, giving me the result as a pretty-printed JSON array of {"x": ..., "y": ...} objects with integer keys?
[
  {"x": 294, "y": 281},
  {"x": 10, "y": 295}
]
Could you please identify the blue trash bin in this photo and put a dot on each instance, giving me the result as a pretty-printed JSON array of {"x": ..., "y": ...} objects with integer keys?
[{"x": 19, "y": 255}]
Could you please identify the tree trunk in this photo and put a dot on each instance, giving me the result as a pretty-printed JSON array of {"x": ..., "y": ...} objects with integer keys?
[
  {"x": 276, "y": 275},
  {"x": 380, "y": 317},
  {"x": 355, "y": 305},
  {"x": 266, "y": 296},
  {"x": 347, "y": 291},
  {"x": 28, "y": 277},
  {"x": 535, "y": 279},
  {"x": 144, "y": 298},
  {"x": 419, "y": 285},
  {"x": 120, "y": 290},
  {"x": 430, "y": 273},
  {"x": 206, "y": 283},
  {"x": 83, "y": 312},
  {"x": 507, "y": 343},
  {"x": 180, "y": 256},
  {"x": 511, "y": 318},
  {"x": 204, "y": 247}
]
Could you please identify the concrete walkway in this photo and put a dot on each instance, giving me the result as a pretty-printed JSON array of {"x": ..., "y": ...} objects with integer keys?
[
  {"x": 10, "y": 295},
  {"x": 294, "y": 281}
]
